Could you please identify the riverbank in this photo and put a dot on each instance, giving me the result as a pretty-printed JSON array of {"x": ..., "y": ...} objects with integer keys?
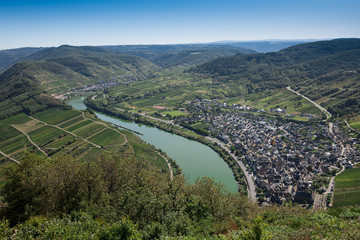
[{"x": 175, "y": 129}]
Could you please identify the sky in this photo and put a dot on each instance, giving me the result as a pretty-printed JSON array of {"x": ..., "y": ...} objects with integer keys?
[{"x": 35, "y": 23}]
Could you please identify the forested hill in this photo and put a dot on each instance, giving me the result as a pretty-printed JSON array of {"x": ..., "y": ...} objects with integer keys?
[
  {"x": 94, "y": 61},
  {"x": 26, "y": 86},
  {"x": 324, "y": 70},
  {"x": 290, "y": 57},
  {"x": 12, "y": 56},
  {"x": 180, "y": 56}
]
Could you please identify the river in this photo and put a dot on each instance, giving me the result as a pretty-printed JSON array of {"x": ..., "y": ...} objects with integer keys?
[{"x": 194, "y": 158}]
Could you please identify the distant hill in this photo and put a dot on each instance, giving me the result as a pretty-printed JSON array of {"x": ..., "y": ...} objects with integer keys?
[
  {"x": 26, "y": 86},
  {"x": 167, "y": 56},
  {"x": 12, "y": 56},
  {"x": 263, "y": 46},
  {"x": 181, "y": 55},
  {"x": 70, "y": 67},
  {"x": 21, "y": 92},
  {"x": 315, "y": 68}
]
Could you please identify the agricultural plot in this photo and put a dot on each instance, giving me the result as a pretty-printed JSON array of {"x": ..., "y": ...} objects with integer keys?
[
  {"x": 17, "y": 119},
  {"x": 142, "y": 151},
  {"x": 11, "y": 140},
  {"x": 56, "y": 142},
  {"x": 285, "y": 99},
  {"x": 78, "y": 125},
  {"x": 88, "y": 130},
  {"x": 355, "y": 125},
  {"x": 70, "y": 122},
  {"x": 347, "y": 188},
  {"x": 46, "y": 134},
  {"x": 56, "y": 116},
  {"x": 13, "y": 145},
  {"x": 29, "y": 126},
  {"x": 91, "y": 153},
  {"x": 107, "y": 137},
  {"x": 62, "y": 142}
]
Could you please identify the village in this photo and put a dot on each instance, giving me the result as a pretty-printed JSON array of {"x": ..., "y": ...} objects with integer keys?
[{"x": 288, "y": 160}]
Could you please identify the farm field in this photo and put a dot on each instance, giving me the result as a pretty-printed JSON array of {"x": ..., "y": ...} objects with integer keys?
[
  {"x": 166, "y": 94},
  {"x": 355, "y": 125},
  {"x": 283, "y": 99},
  {"x": 347, "y": 188},
  {"x": 59, "y": 132}
]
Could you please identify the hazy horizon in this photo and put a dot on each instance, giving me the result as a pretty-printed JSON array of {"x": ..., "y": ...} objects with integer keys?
[{"x": 185, "y": 43}]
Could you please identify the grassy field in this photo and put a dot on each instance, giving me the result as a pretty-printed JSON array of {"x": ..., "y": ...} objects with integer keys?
[
  {"x": 174, "y": 113},
  {"x": 347, "y": 188}
]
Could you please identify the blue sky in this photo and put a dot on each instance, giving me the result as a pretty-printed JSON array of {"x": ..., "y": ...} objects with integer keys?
[{"x": 93, "y": 22}]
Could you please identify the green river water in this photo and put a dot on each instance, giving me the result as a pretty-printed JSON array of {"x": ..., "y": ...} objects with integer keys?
[{"x": 195, "y": 159}]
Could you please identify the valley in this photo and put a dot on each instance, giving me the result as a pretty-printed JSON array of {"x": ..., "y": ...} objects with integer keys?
[{"x": 200, "y": 126}]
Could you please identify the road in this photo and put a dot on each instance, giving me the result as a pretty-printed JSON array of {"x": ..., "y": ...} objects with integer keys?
[
  {"x": 328, "y": 115},
  {"x": 12, "y": 159},
  {"x": 28, "y": 137},
  {"x": 349, "y": 126},
  {"x": 320, "y": 199},
  {"x": 249, "y": 179},
  {"x": 169, "y": 165},
  {"x": 107, "y": 126},
  {"x": 85, "y": 140}
]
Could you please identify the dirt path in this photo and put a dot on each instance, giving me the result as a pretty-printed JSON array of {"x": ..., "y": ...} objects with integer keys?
[
  {"x": 28, "y": 137},
  {"x": 12, "y": 159},
  {"x": 169, "y": 166},
  {"x": 97, "y": 146},
  {"x": 328, "y": 115},
  {"x": 106, "y": 125},
  {"x": 350, "y": 126}
]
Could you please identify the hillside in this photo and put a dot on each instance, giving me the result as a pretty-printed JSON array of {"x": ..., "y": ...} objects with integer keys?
[
  {"x": 93, "y": 62},
  {"x": 20, "y": 91},
  {"x": 11, "y": 56},
  {"x": 181, "y": 55},
  {"x": 312, "y": 67},
  {"x": 26, "y": 86}
]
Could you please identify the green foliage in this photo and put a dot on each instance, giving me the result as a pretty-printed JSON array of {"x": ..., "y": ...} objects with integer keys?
[
  {"x": 124, "y": 198},
  {"x": 74, "y": 226},
  {"x": 111, "y": 188}
]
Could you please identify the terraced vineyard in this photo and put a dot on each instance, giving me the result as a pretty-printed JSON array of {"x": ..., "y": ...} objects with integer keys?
[
  {"x": 165, "y": 94},
  {"x": 347, "y": 188},
  {"x": 57, "y": 132}
]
